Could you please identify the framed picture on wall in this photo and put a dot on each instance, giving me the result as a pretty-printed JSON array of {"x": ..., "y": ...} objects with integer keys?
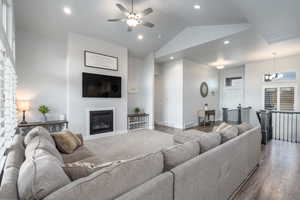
[{"x": 101, "y": 61}]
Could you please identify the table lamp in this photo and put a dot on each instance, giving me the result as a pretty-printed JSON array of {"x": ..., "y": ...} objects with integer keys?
[{"x": 23, "y": 106}]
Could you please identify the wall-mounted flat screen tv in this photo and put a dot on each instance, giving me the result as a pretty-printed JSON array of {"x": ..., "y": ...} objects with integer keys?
[{"x": 101, "y": 86}]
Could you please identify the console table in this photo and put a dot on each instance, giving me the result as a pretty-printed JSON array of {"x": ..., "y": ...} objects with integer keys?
[
  {"x": 52, "y": 126},
  {"x": 206, "y": 116},
  {"x": 138, "y": 121}
]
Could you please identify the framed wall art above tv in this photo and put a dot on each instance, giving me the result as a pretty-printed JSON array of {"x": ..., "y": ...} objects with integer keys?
[{"x": 101, "y": 61}]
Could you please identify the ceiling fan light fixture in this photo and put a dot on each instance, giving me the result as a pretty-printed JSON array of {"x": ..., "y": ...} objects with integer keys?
[{"x": 132, "y": 22}]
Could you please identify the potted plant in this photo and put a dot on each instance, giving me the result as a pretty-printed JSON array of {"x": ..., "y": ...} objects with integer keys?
[
  {"x": 137, "y": 110},
  {"x": 44, "y": 110}
]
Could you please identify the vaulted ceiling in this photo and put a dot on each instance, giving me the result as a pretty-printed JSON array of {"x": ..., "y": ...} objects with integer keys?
[{"x": 270, "y": 21}]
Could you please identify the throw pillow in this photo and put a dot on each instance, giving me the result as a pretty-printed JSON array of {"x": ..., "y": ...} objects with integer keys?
[
  {"x": 244, "y": 127},
  {"x": 80, "y": 169},
  {"x": 37, "y": 131},
  {"x": 228, "y": 133},
  {"x": 66, "y": 142},
  {"x": 40, "y": 177},
  {"x": 221, "y": 127},
  {"x": 178, "y": 154}
]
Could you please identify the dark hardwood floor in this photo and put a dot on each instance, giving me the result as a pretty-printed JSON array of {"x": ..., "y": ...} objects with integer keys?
[{"x": 278, "y": 176}]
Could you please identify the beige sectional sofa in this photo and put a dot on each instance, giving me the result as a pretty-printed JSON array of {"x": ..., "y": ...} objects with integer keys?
[{"x": 182, "y": 172}]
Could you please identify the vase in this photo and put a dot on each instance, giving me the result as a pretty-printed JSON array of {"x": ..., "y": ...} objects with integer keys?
[{"x": 44, "y": 118}]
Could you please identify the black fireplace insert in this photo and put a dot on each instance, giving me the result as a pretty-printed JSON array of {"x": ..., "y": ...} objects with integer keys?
[{"x": 101, "y": 121}]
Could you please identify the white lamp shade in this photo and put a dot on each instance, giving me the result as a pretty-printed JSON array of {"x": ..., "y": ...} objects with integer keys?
[{"x": 23, "y": 105}]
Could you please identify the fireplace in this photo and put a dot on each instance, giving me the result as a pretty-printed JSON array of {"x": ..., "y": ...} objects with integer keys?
[{"x": 101, "y": 121}]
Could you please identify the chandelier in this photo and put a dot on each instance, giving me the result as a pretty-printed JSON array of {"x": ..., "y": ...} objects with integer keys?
[{"x": 273, "y": 76}]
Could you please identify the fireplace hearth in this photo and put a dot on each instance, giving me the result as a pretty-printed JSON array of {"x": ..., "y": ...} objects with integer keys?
[{"x": 101, "y": 121}]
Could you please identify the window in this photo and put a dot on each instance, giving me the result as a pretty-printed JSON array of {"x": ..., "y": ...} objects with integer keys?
[
  {"x": 279, "y": 98},
  {"x": 4, "y": 14},
  {"x": 8, "y": 79},
  {"x": 271, "y": 98}
]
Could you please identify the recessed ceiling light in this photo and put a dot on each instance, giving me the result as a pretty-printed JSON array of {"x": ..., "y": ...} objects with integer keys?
[
  {"x": 172, "y": 58},
  {"x": 220, "y": 67},
  {"x": 140, "y": 37},
  {"x": 197, "y": 7},
  {"x": 226, "y": 42},
  {"x": 67, "y": 10}
]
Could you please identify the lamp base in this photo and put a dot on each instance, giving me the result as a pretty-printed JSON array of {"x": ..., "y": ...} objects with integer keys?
[{"x": 23, "y": 122}]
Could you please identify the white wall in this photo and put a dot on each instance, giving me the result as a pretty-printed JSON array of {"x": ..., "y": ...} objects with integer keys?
[
  {"x": 193, "y": 75},
  {"x": 148, "y": 90},
  {"x": 135, "y": 78},
  {"x": 77, "y": 108},
  {"x": 169, "y": 94},
  {"x": 41, "y": 70},
  {"x": 254, "y": 73},
  {"x": 237, "y": 93}
]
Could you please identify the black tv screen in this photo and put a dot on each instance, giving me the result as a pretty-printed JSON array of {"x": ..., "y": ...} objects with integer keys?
[{"x": 101, "y": 86}]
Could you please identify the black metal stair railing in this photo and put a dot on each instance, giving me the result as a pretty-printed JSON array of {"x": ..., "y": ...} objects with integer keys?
[
  {"x": 285, "y": 125},
  {"x": 236, "y": 115}
]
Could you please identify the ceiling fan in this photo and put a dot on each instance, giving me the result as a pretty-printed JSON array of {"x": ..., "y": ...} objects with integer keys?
[{"x": 132, "y": 18}]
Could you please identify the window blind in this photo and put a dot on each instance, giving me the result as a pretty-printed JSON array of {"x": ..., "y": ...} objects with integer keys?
[
  {"x": 8, "y": 121},
  {"x": 287, "y": 98},
  {"x": 270, "y": 99}
]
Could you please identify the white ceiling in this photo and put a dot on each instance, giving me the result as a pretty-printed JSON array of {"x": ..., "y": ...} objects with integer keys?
[
  {"x": 90, "y": 18},
  {"x": 273, "y": 22}
]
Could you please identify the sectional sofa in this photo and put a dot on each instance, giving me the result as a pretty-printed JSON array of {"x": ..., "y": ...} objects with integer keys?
[{"x": 198, "y": 169}]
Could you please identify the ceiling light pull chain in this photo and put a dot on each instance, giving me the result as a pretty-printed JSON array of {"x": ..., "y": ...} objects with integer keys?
[{"x": 132, "y": 6}]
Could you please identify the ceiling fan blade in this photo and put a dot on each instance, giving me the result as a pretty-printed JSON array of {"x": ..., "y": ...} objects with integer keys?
[
  {"x": 148, "y": 24},
  {"x": 123, "y": 9},
  {"x": 146, "y": 12},
  {"x": 115, "y": 20},
  {"x": 129, "y": 29}
]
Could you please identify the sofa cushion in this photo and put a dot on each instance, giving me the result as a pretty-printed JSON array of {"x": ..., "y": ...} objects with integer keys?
[
  {"x": 37, "y": 131},
  {"x": 178, "y": 154},
  {"x": 18, "y": 142},
  {"x": 209, "y": 141},
  {"x": 81, "y": 169},
  {"x": 243, "y": 127},
  {"x": 111, "y": 182},
  {"x": 66, "y": 141},
  {"x": 8, "y": 189},
  {"x": 40, "y": 177},
  {"x": 228, "y": 133},
  {"x": 15, "y": 157},
  {"x": 186, "y": 136},
  {"x": 41, "y": 143},
  {"x": 79, "y": 154}
]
